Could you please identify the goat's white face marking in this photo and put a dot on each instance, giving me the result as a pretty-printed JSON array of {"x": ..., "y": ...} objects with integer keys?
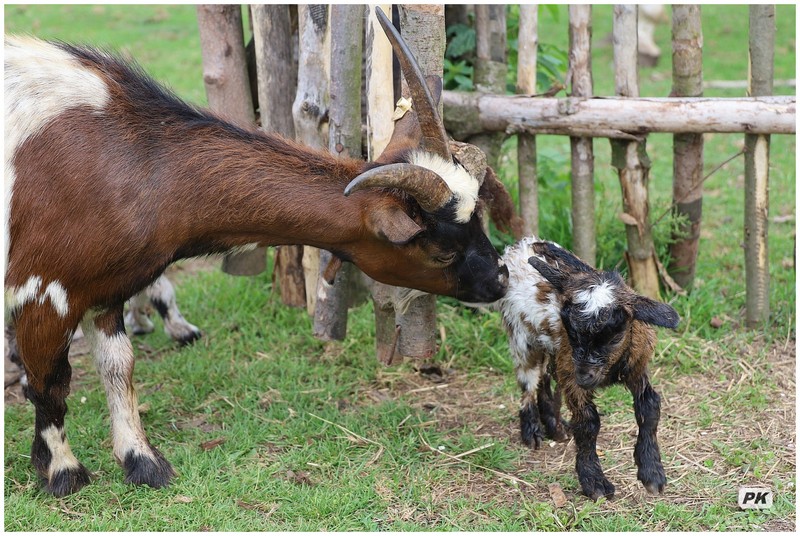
[
  {"x": 41, "y": 81},
  {"x": 595, "y": 298},
  {"x": 62, "y": 457},
  {"x": 463, "y": 185}
]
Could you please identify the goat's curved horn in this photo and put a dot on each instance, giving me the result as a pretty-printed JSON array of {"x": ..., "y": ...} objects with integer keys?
[
  {"x": 434, "y": 138},
  {"x": 428, "y": 188}
]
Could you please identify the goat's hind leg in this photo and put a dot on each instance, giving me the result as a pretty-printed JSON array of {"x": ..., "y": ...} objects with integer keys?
[
  {"x": 529, "y": 374},
  {"x": 43, "y": 338},
  {"x": 162, "y": 296},
  {"x": 143, "y": 463},
  {"x": 549, "y": 402}
]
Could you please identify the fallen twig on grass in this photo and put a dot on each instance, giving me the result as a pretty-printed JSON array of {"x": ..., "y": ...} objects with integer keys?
[
  {"x": 493, "y": 471},
  {"x": 356, "y": 436}
]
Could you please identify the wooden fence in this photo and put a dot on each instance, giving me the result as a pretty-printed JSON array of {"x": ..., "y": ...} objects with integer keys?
[{"x": 334, "y": 43}]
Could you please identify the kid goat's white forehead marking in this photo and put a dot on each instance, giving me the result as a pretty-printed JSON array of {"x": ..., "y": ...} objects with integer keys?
[
  {"x": 41, "y": 81},
  {"x": 463, "y": 185},
  {"x": 595, "y": 298}
]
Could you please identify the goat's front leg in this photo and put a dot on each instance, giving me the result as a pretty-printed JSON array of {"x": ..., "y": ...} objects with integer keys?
[
  {"x": 43, "y": 337},
  {"x": 647, "y": 408},
  {"x": 113, "y": 353},
  {"x": 585, "y": 427}
]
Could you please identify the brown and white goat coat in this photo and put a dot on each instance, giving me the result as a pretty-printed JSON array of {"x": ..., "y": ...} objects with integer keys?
[
  {"x": 589, "y": 329},
  {"x": 110, "y": 178}
]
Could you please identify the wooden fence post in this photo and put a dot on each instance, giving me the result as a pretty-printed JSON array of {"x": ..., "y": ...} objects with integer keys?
[
  {"x": 344, "y": 139},
  {"x": 310, "y": 108},
  {"x": 528, "y": 42},
  {"x": 631, "y": 161},
  {"x": 422, "y": 27},
  {"x": 580, "y": 81},
  {"x": 228, "y": 90},
  {"x": 687, "y": 149},
  {"x": 756, "y": 188},
  {"x": 490, "y": 68},
  {"x": 277, "y": 74},
  {"x": 380, "y": 106}
]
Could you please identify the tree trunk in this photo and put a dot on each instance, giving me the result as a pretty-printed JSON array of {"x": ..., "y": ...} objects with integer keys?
[
  {"x": 277, "y": 72},
  {"x": 310, "y": 108},
  {"x": 615, "y": 117},
  {"x": 330, "y": 314},
  {"x": 422, "y": 27},
  {"x": 228, "y": 90},
  {"x": 580, "y": 68},
  {"x": 630, "y": 159},
  {"x": 756, "y": 188},
  {"x": 687, "y": 149},
  {"x": 380, "y": 106},
  {"x": 528, "y": 43},
  {"x": 490, "y": 68}
]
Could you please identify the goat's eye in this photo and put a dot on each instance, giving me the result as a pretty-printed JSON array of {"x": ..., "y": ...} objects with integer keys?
[{"x": 447, "y": 258}]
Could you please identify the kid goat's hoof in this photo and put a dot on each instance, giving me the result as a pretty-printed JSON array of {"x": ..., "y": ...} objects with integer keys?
[{"x": 595, "y": 489}]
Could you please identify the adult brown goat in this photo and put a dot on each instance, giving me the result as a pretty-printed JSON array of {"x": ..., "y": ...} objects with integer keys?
[{"x": 110, "y": 178}]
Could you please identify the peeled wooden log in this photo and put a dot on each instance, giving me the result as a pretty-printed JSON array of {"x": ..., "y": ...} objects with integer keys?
[{"x": 615, "y": 117}]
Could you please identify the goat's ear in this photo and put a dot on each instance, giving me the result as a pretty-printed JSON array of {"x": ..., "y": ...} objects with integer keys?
[
  {"x": 554, "y": 276},
  {"x": 557, "y": 253},
  {"x": 393, "y": 224},
  {"x": 655, "y": 313}
]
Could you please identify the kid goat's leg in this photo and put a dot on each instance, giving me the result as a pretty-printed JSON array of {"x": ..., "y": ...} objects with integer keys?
[
  {"x": 585, "y": 427},
  {"x": 647, "y": 407},
  {"x": 529, "y": 365},
  {"x": 43, "y": 337},
  {"x": 113, "y": 353},
  {"x": 549, "y": 402},
  {"x": 161, "y": 295}
]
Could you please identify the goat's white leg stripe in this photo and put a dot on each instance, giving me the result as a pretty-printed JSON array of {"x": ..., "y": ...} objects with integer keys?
[
  {"x": 114, "y": 359},
  {"x": 61, "y": 455}
]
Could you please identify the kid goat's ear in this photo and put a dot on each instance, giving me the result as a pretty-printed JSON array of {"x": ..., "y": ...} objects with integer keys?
[
  {"x": 555, "y": 277},
  {"x": 655, "y": 313}
]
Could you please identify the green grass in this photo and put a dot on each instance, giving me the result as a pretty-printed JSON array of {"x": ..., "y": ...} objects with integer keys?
[{"x": 321, "y": 437}]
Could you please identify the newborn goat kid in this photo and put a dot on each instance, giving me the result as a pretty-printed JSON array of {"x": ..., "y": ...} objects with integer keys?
[{"x": 591, "y": 330}]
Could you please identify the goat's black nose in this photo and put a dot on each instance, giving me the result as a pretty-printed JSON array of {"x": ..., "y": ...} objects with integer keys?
[{"x": 588, "y": 378}]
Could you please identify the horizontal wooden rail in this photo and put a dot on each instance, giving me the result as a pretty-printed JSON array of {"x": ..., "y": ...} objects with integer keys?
[{"x": 615, "y": 117}]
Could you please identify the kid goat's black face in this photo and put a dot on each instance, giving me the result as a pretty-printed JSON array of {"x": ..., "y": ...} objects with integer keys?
[{"x": 597, "y": 312}]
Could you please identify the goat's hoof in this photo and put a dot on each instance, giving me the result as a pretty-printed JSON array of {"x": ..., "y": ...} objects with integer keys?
[
  {"x": 596, "y": 488},
  {"x": 67, "y": 481},
  {"x": 188, "y": 338},
  {"x": 154, "y": 471},
  {"x": 531, "y": 434},
  {"x": 653, "y": 481}
]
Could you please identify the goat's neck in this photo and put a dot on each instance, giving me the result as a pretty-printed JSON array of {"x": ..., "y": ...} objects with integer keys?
[{"x": 261, "y": 189}]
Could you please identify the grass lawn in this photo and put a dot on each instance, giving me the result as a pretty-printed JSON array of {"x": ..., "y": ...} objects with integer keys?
[{"x": 271, "y": 429}]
